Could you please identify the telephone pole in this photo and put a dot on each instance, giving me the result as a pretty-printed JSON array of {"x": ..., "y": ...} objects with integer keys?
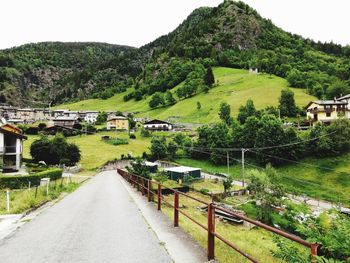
[
  {"x": 228, "y": 163},
  {"x": 243, "y": 179}
]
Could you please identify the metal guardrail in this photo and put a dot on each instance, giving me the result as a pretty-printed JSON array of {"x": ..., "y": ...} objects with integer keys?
[{"x": 144, "y": 185}]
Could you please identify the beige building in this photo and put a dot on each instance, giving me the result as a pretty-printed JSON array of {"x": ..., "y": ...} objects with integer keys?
[
  {"x": 118, "y": 123},
  {"x": 326, "y": 111}
]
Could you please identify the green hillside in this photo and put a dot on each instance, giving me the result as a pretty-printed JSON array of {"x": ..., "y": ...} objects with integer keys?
[{"x": 235, "y": 87}]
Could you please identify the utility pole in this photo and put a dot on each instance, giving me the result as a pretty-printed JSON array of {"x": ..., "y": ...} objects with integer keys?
[
  {"x": 228, "y": 163},
  {"x": 243, "y": 180}
]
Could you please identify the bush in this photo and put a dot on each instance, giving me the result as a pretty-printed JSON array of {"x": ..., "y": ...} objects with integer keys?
[
  {"x": 204, "y": 191},
  {"x": 53, "y": 151},
  {"x": 20, "y": 181},
  {"x": 117, "y": 141},
  {"x": 32, "y": 130},
  {"x": 132, "y": 136}
]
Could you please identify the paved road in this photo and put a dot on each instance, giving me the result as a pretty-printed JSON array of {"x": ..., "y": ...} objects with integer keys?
[{"x": 97, "y": 223}]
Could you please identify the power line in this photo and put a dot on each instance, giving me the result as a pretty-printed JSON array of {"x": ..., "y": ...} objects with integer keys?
[
  {"x": 268, "y": 147},
  {"x": 297, "y": 162}
]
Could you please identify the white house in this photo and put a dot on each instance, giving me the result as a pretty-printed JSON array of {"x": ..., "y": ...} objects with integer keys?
[
  {"x": 158, "y": 125},
  {"x": 326, "y": 111},
  {"x": 346, "y": 98},
  {"x": 11, "y": 147},
  {"x": 91, "y": 116}
]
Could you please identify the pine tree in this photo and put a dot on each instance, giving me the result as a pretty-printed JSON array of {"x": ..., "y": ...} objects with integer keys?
[{"x": 209, "y": 78}]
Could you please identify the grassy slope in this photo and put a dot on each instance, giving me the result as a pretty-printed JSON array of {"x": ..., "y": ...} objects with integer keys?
[
  {"x": 235, "y": 87},
  {"x": 95, "y": 152},
  {"x": 332, "y": 185}
]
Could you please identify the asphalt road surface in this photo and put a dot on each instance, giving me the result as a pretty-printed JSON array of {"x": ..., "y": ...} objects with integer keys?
[{"x": 99, "y": 222}]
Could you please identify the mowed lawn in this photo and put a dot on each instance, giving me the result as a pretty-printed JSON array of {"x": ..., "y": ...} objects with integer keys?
[
  {"x": 235, "y": 87},
  {"x": 324, "y": 178},
  {"x": 95, "y": 152}
]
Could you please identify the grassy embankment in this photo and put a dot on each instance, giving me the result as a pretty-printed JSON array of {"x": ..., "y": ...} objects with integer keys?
[
  {"x": 235, "y": 87},
  {"x": 23, "y": 200},
  {"x": 254, "y": 241},
  {"x": 308, "y": 178}
]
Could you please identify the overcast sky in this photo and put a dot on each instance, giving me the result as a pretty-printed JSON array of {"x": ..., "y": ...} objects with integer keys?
[{"x": 137, "y": 22}]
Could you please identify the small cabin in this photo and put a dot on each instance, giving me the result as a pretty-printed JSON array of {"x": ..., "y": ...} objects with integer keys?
[{"x": 177, "y": 173}]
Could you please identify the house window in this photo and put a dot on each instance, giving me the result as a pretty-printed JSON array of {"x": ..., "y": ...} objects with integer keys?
[{"x": 328, "y": 114}]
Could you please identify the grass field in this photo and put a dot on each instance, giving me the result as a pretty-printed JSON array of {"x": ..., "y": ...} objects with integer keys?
[
  {"x": 306, "y": 177},
  {"x": 235, "y": 87},
  {"x": 95, "y": 152}
]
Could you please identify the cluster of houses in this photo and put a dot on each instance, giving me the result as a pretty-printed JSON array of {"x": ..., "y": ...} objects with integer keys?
[{"x": 327, "y": 111}]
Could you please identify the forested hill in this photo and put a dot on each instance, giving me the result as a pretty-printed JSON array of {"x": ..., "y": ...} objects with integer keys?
[
  {"x": 235, "y": 35},
  {"x": 230, "y": 35},
  {"x": 64, "y": 71}
]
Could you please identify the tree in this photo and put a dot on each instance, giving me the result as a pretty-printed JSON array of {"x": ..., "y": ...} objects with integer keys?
[
  {"x": 169, "y": 98},
  {"x": 227, "y": 183},
  {"x": 101, "y": 118},
  {"x": 139, "y": 168},
  {"x": 268, "y": 192},
  {"x": 55, "y": 151},
  {"x": 172, "y": 148},
  {"x": 209, "y": 78},
  {"x": 225, "y": 113},
  {"x": 337, "y": 89},
  {"x": 138, "y": 95},
  {"x": 246, "y": 111},
  {"x": 287, "y": 103},
  {"x": 157, "y": 100},
  {"x": 159, "y": 147},
  {"x": 199, "y": 106}
]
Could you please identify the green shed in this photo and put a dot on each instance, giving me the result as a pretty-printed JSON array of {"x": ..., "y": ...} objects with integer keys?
[
  {"x": 152, "y": 167},
  {"x": 176, "y": 173}
]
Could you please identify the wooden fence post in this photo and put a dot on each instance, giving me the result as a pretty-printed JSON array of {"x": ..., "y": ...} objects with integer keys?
[
  {"x": 159, "y": 196},
  {"x": 149, "y": 190},
  {"x": 176, "y": 209},
  {"x": 211, "y": 231}
]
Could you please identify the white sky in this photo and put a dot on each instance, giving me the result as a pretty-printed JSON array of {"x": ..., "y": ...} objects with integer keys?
[{"x": 137, "y": 22}]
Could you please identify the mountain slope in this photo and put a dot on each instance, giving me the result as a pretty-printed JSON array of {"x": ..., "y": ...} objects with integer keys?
[
  {"x": 57, "y": 72},
  {"x": 235, "y": 87},
  {"x": 230, "y": 35}
]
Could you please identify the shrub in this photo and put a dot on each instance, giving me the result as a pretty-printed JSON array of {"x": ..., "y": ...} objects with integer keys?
[
  {"x": 117, "y": 141},
  {"x": 53, "y": 151},
  {"x": 132, "y": 136},
  {"x": 204, "y": 191},
  {"x": 20, "y": 181},
  {"x": 32, "y": 130}
]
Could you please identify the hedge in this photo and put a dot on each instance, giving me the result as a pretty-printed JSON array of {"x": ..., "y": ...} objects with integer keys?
[{"x": 20, "y": 181}]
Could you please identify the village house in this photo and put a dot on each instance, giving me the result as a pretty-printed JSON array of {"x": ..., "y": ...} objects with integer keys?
[
  {"x": 67, "y": 122},
  {"x": 118, "y": 123},
  {"x": 91, "y": 116},
  {"x": 346, "y": 98},
  {"x": 11, "y": 147},
  {"x": 326, "y": 111},
  {"x": 158, "y": 125}
]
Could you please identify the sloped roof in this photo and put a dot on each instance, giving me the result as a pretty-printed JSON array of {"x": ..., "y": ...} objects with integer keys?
[
  {"x": 182, "y": 169},
  {"x": 12, "y": 130},
  {"x": 346, "y": 97},
  {"x": 156, "y": 121},
  {"x": 327, "y": 102}
]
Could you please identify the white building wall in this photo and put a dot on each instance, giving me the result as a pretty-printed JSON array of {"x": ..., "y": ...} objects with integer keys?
[
  {"x": 2, "y": 149},
  {"x": 18, "y": 153}
]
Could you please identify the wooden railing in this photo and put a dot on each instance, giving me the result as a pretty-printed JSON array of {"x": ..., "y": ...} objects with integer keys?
[{"x": 144, "y": 185}]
